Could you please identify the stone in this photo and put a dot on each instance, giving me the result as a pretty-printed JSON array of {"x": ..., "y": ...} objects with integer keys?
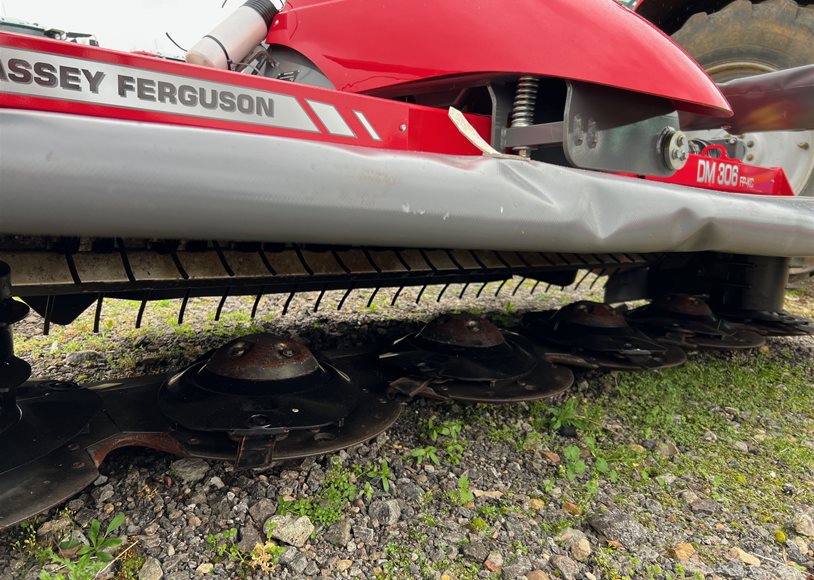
[
  {"x": 620, "y": 527},
  {"x": 311, "y": 569},
  {"x": 77, "y": 538},
  {"x": 786, "y": 573},
  {"x": 571, "y": 508},
  {"x": 55, "y": 528},
  {"x": 249, "y": 538},
  {"x": 803, "y": 524},
  {"x": 262, "y": 510},
  {"x": 104, "y": 493},
  {"x": 488, "y": 494},
  {"x": 710, "y": 436},
  {"x": 476, "y": 551},
  {"x": 338, "y": 534},
  {"x": 666, "y": 480},
  {"x": 797, "y": 549},
  {"x": 741, "y": 446},
  {"x": 536, "y": 504},
  {"x": 552, "y": 457},
  {"x": 83, "y": 356},
  {"x": 150, "y": 570},
  {"x": 568, "y": 569},
  {"x": 343, "y": 565},
  {"x": 580, "y": 549},
  {"x": 731, "y": 569},
  {"x": 682, "y": 552},
  {"x": 537, "y": 575},
  {"x": 745, "y": 557},
  {"x": 289, "y": 529},
  {"x": 705, "y": 506},
  {"x": 189, "y": 470},
  {"x": 689, "y": 496},
  {"x": 636, "y": 448},
  {"x": 494, "y": 562},
  {"x": 204, "y": 569},
  {"x": 216, "y": 482},
  {"x": 410, "y": 491},
  {"x": 517, "y": 568},
  {"x": 667, "y": 449},
  {"x": 297, "y": 564},
  {"x": 386, "y": 513},
  {"x": 289, "y": 555},
  {"x": 364, "y": 534}
]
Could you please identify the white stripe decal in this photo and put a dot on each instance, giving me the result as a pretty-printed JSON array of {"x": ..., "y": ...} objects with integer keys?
[
  {"x": 331, "y": 118},
  {"x": 368, "y": 127}
]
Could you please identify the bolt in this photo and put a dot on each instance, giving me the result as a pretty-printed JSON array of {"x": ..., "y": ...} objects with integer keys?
[
  {"x": 285, "y": 350},
  {"x": 402, "y": 127},
  {"x": 750, "y": 157},
  {"x": 732, "y": 141},
  {"x": 73, "y": 447},
  {"x": 803, "y": 145},
  {"x": 238, "y": 350},
  {"x": 258, "y": 421},
  {"x": 78, "y": 464},
  {"x": 750, "y": 143},
  {"x": 473, "y": 326}
]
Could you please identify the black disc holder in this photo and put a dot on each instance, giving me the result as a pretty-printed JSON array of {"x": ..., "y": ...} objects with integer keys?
[{"x": 13, "y": 371}]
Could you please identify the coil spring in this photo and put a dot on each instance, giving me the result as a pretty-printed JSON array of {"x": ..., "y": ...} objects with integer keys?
[{"x": 525, "y": 101}]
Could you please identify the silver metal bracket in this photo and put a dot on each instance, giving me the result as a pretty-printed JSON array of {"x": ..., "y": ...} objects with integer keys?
[{"x": 608, "y": 129}]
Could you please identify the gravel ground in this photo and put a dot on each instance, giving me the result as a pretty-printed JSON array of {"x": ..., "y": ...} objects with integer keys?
[{"x": 701, "y": 472}]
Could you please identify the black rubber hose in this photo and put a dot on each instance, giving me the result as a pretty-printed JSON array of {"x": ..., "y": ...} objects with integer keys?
[{"x": 264, "y": 8}]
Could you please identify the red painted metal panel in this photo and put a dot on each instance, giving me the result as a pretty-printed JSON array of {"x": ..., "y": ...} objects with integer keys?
[
  {"x": 365, "y": 46},
  {"x": 398, "y": 126},
  {"x": 723, "y": 173}
]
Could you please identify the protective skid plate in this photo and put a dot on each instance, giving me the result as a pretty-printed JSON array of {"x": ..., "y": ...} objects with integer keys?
[
  {"x": 688, "y": 322},
  {"x": 51, "y": 414},
  {"x": 467, "y": 358},
  {"x": 771, "y": 323},
  {"x": 593, "y": 335},
  {"x": 44, "y": 460},
  {"x": 65, "y": 432}
]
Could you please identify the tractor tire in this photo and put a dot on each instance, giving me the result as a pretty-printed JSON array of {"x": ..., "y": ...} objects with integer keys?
[{"x": 745, "y": 39}]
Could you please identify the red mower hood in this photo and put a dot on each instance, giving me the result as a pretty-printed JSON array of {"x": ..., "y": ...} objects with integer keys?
[{"x": 365, "y": 46}]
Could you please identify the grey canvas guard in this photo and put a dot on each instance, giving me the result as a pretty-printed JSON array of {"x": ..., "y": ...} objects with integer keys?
[
  {"x": 73, "y": 175},
  {"x": 777, "y": 101}
]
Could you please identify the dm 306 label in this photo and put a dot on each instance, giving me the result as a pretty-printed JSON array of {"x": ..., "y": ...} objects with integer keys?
[{"x": 718, "y": 172}]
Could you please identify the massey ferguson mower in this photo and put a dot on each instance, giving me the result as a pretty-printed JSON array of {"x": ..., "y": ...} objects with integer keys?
[{"x": 345, "y": 145}]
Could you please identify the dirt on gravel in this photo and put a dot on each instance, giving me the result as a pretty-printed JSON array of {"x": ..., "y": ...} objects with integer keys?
[{"x": 704, "y": 471}]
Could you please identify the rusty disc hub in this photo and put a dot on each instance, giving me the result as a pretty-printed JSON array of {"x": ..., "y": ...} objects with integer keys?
[
  {"x": 262, "y": 357},
  {"x": 259, "y": 385},
  {"x": 462, "y": 330},
  {"x": 594, "y": 335},
  {"x": 688, "y": 322},
  {"x": 467, "y": 358}
]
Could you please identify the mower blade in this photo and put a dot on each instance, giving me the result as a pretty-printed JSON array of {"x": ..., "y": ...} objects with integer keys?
[
  {"x": 688, "y": 322},
  {"x": 466, "y": 358}
]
